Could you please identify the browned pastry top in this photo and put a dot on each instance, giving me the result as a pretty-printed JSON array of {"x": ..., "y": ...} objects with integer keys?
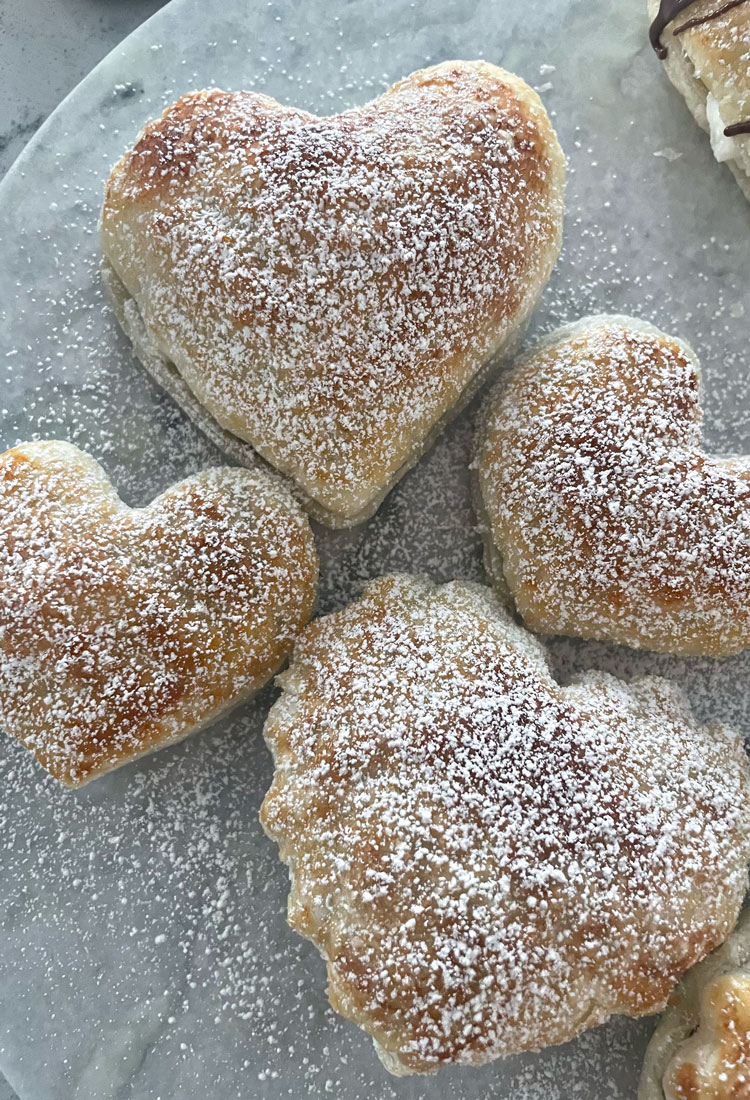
[
  {"x": 610, "y": 519},
  {"x": 488, "y": 861},
  {"x": 123, "y": 629},
  {"x": 328, "y": 286}
]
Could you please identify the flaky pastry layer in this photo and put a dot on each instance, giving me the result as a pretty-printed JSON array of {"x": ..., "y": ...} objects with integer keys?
[
  {"x": 709, "y": 64},
  {"x": 701, "y": 1048}
]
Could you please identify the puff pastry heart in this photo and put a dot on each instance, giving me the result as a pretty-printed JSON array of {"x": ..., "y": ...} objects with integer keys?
[
  {"x": 490, "y": 862},
  {"x": 122, "y": 630},
  {"x": 602, "y": 514},
  {"x": 326, "y": 292}
]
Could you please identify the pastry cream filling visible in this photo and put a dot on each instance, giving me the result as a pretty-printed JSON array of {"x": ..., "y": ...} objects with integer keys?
[{"x": 725, "y": 148}]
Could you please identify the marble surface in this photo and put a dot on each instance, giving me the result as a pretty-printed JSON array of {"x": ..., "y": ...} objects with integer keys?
[
  {"x": 46, "y": 48},
  {"x": 143, "y": 949}
]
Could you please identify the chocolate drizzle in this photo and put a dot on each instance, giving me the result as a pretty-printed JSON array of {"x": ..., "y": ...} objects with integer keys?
[
  {"x": 700, "y": 19},
  {"x": 670, "y": 9}
]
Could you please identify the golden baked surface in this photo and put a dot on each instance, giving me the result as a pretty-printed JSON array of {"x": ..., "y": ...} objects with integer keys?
[
  {"x": 718, "y": 50},
  {"x": 708, "y": 52},
  {"x": 604, "y": 517},
  {"x": 490, "y": 862},
  {"x": 329, "y": 287},
  {"x": 720, "y": 1068},
  {"x": 122, "y": 630},
  {"x": 701, "y": 1049}
]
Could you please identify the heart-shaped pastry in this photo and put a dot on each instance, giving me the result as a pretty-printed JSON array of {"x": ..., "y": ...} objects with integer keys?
[
  {"x": 327, "y": 291},
  {"x": 490, "y": 862},
  {"x": 123, "y": 630},
  {"x": 603, "y": 516},
  {"x": 701, "y": 1048}
]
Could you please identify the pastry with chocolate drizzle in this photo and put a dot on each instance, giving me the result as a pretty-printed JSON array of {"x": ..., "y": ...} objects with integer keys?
[{"x": 705, "y": 45}]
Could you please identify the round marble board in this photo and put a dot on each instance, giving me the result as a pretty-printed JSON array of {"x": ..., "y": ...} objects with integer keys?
[{"x": 143, "y": 947}]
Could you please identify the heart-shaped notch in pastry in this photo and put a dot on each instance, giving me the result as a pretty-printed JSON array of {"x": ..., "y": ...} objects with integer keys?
[
  {"x": 123, "y": 630},
  {"x": 603, "y": 516},
  {"x": 327, "y": 292},
  {"x": 490, "y": 862}
]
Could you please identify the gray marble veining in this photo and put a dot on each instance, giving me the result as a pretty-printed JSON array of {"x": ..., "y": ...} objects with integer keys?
[
  {"x": 46, "y": 48},
  {"x": 143, "y": 950}
]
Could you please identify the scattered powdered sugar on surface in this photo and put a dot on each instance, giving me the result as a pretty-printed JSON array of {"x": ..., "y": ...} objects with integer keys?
[
  {"x": 490, "y": 863},
  {"x": 171, "y": 846}
]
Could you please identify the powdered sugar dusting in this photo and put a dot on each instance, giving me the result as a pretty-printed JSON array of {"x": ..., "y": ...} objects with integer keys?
[
  {"x": 122, "y": 630},
  {"x": 491, "y": 863},
  {"x": 328, "y": 288},
  {"x": 666, "y": 241},
  {"x": 604, "y": 516}
]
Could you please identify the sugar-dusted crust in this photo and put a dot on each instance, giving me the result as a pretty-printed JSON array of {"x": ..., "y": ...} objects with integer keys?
[
  {"x": 123, "y": 630},
  {"x": 330, "y": 290},
  {"x": 713, "y": 57},
  {"x": 602, "y": 515},
  {"x": 490, "y": 862},
  {"x": 701, "y": 1048}
]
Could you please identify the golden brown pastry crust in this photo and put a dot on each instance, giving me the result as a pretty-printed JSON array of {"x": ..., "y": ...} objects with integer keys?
[
  {"x": 122, "y": 630},
  {"x": 330, "y": 289},
  {"x": 490, "y": 862},
  {"x": 713, "y": 58},
  {"x": 701, "y": 1049},
  {"x": 602, "y": 515}
]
